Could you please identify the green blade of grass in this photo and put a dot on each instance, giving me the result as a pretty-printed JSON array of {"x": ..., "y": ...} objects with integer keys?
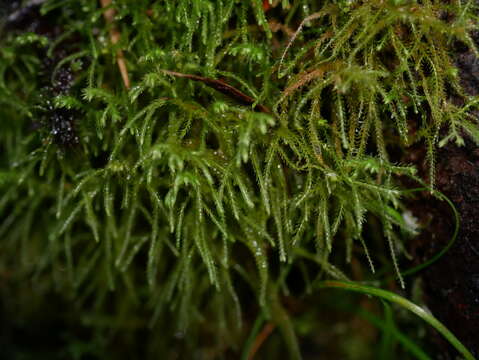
[
  {"x": 408, "y": 344},
  {"x": 392, "y": 297},
  {"x": 451, "y": 242}
]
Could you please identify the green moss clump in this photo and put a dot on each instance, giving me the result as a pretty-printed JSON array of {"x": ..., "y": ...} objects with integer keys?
[{"x": 179, "y": 202}]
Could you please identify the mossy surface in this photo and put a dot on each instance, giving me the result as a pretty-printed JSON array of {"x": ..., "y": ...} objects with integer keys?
[{"x": 255, "y": 153}]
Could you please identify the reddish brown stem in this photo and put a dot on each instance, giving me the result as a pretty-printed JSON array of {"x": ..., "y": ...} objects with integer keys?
[
  {"x": 109, "y": 15},
  {"x": 260, "y": 339},
  {"x": 223, "y": 88}
]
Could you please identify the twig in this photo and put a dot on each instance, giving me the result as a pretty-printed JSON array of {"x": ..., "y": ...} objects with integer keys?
[
  {"x": 109, "y": 15},
  {"x": 260, "y": 339},
  {"x": 223, "y": 88}
]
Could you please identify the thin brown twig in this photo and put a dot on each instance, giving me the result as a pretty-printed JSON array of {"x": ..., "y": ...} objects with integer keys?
[
  {"x": 260, "y": 339},
  {"x": 109, "y": 15},
  {"x": 223, "y": 88}
]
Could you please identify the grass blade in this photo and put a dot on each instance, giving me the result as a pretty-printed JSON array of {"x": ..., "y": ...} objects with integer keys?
[{"x": 405, "y": 303}]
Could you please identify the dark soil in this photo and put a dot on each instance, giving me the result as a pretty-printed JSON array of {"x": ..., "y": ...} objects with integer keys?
[
  {"x": 58, "y": 124},
  {"x": 451, "y": 285}
]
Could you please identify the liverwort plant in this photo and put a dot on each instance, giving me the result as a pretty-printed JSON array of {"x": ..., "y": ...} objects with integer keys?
[{"x": 258, "y": 140}]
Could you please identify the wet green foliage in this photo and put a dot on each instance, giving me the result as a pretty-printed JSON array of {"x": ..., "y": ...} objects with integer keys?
[{"x": 179, "y": 203}]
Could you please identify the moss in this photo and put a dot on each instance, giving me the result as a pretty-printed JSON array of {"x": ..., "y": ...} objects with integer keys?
[{"x": 170, "y": 203}]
